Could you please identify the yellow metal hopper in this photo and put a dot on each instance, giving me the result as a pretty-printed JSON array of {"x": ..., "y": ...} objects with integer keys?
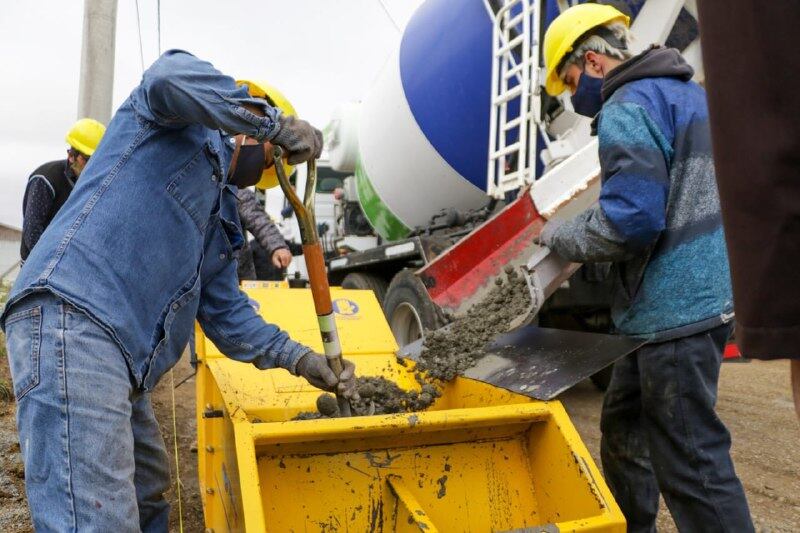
[{"x": 479, "y": 459}]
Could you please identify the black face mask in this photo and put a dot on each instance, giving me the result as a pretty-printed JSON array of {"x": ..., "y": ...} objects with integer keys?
[{"x": 247, "y": 165}]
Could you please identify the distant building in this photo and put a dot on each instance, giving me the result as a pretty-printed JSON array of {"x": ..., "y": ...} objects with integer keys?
[{"x": 10, "y": 239}]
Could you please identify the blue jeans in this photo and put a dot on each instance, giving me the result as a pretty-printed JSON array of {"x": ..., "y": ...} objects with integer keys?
[
  {"x": 94, "y": 456},
  {"x": 662, "y": 434}
]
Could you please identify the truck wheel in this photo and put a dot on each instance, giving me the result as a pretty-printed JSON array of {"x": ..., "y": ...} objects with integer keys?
[
  {"x": 602, "y": 379},
  {"x": 409, "y": 309},
  {"x": 363, "y": 280}
]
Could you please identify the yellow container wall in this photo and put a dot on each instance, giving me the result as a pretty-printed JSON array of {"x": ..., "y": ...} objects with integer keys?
[{"x": 479, "y": 459}]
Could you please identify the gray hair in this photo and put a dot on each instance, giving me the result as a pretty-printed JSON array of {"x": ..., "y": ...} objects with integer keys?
[{"x": 598, "y": 41}]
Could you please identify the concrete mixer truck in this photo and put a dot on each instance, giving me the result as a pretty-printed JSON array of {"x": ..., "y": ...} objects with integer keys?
[{"x": 456, "y": 156}]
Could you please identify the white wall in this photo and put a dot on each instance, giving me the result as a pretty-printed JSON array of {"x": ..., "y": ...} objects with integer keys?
[{"x": 9, "y": 255}]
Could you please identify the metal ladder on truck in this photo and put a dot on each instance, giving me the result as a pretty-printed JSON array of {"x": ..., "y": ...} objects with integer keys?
[
  {"x": 517, "y": 127},
  {"x": 515, "y": 81}
]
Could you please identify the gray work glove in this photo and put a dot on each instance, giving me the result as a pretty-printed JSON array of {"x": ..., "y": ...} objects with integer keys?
[
  {"x": 315, "y": 369},
  {"x": 300, "y": 139},
  {"x": 545, "y": 237}
]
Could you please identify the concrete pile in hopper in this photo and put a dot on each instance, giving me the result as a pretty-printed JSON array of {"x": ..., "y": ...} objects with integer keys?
[{"x": 445, "y": 354}]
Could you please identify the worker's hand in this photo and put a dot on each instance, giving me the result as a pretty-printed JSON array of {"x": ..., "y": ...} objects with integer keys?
[
  {"x": 281, "y": 258},
  {"x": 315, "y": 369},
  {"x": 300, "y": 139},
  {"x": 545, "y": 237}
]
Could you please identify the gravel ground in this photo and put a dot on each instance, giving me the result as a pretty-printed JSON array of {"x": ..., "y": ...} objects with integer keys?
[{"x": 754, "y": 401}]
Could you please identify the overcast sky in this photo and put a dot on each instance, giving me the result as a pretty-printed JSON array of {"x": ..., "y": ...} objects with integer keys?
[{"x": 318, "y": 52}]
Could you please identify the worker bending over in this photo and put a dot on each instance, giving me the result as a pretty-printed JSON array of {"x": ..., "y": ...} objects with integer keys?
[
  {"x": 49, "y": 185},
  {"x": 106, "y": 301},
  {"x": 658, "y": 220}
]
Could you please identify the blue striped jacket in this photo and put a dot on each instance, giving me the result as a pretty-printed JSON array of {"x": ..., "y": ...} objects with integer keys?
[{"x": 658, "y": 219}]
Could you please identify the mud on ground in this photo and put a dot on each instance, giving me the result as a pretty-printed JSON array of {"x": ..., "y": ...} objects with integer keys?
[{"x": 14, "y": 516}]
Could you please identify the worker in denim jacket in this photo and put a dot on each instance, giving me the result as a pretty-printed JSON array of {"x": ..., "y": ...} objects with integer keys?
[{"x": 106, "y": 301}]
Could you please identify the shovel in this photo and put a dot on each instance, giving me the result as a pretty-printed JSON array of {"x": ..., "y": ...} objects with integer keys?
[
  {"x": 541, "y": 363},
  {"x": 315, "y": 263}
]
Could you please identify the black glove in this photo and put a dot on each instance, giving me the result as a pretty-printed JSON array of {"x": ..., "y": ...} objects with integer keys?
[
  {"x": 300, "y": 139},
  {"x": 545, "y": 237},
  {"x": 315, "y": 369}
]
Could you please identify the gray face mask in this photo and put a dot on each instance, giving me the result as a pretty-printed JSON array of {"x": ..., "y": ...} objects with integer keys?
[{"x": 249, "y": 161}]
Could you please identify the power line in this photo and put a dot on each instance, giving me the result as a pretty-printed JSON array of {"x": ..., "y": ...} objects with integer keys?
[
  {"x": 139, "y": 28},
  {"x": 159, "y": 27},
  {"x": 389, "y": 16}
]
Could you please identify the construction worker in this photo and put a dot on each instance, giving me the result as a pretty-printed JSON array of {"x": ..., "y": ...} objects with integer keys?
[
  {"x": 49, "y": 185},
  {"x": 106, "y": 301},
  {"x": 658, "y": 221},
  {"x": 267, "y": 236},
  {"x": 755, "y": 146},
  {"x": 253, "y": 217}
]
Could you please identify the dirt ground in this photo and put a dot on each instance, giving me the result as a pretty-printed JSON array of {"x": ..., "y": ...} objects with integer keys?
[
  {"x": 754, "y": 402},
  {"x": 13, "y": 508},
  {"x": 191, "y": 506}
]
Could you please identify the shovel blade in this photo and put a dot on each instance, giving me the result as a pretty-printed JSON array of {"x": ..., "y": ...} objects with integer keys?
[{"x": 542, "y": 363}]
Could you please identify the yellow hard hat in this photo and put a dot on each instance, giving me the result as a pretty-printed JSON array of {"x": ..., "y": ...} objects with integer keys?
[
  {"x": 85, "y": 135},
  {"x": 568, "y": 27},
  {"x": 262, "y": 89}
]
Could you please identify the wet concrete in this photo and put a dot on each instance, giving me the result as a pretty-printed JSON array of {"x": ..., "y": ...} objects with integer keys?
[
  {"x": 379, "y": 396},
  {"x": 385, "y": 397},
  {"x": 326, "y": 405},
  {"x": 447, "y": 354}
]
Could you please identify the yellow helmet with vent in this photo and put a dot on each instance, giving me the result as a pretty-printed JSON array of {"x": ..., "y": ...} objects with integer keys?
[{"x": 275, "y": 98}]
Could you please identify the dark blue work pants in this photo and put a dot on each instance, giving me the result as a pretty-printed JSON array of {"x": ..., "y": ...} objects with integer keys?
[{"x": 661, "y": 434}]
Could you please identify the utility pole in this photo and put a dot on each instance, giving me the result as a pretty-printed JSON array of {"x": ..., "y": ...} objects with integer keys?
[{"x": 97, "y": 59}]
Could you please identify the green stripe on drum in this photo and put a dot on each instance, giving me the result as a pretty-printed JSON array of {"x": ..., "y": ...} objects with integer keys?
[{"x": 379, "y": 216}]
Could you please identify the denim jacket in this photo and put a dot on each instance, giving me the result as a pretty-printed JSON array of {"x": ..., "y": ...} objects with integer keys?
[{"x": 149, "y": 238}]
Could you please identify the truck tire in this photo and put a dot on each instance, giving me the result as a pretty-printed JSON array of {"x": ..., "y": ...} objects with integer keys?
[
  {"x": 364, "y": 280},
  {"x": 409, "y": 309}
]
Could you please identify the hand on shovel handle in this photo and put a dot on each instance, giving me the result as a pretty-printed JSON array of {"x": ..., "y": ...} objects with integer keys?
[{"x": 315, "y": 369}]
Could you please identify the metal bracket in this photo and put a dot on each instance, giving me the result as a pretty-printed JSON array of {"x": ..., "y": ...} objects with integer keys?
[
  {"x": 412, "y": 505},
  {"x": 544, "y": 273}
]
